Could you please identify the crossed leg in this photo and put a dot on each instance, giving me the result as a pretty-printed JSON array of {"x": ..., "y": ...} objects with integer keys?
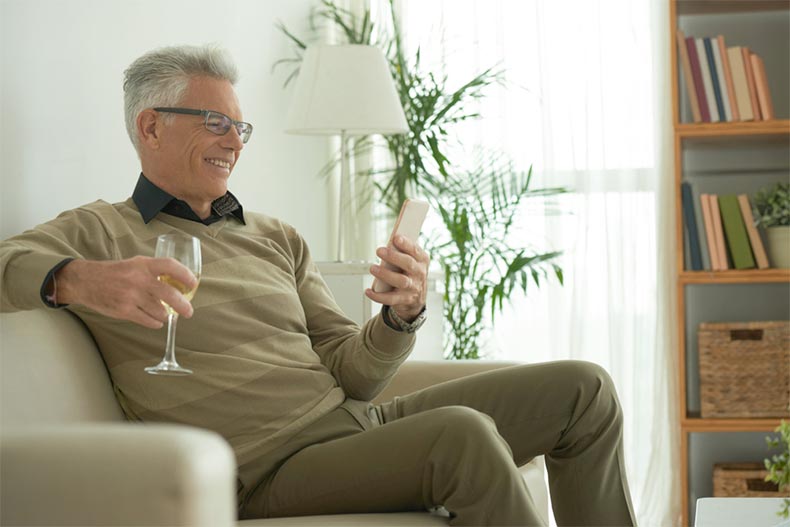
[{"x": 458, "y": 445}]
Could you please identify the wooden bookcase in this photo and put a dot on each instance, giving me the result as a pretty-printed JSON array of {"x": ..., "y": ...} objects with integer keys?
[{"x": 714, "y": 135}]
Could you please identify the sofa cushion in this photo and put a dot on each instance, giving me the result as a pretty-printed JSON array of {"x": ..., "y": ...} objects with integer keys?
[
  {"x": 52, "y": 371},
  {"x": 393, "y": 519}
]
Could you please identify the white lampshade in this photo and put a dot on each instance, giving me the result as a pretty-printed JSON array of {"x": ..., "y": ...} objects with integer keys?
[{"x": 345, "y": 88}]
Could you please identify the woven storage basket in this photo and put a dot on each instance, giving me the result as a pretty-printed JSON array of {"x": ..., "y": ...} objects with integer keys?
[
  {"x": 745, "y": 480},
  {"x": 744, "y": 369}
]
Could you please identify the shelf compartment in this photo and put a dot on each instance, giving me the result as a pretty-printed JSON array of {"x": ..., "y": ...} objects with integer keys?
[
  {"x": 749, "y": 276},
  {"x": 698, "y": 424}
]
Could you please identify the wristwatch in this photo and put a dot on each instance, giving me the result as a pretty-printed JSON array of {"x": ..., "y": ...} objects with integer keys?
[{"x": 406, "y": 327}]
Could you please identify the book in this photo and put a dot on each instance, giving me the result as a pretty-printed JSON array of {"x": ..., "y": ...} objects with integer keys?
[
  {"x": 735, "y": 114},
  {"x": 754, "y": 237},
  {"x": 714, "y": 77},
  {"x": 735, "y": 230},
  {"x": 703, "y": 240},
  {"x": 690, "y": 220},
  {"x": 706, "y": 80},
  {"x": 740, "y": 83},
  {"x": 687, "y": 77},
  {"x": 747, "y": 64},
  {"x": 763, "y": 93},
  {"x": 718, "y": 233},
  {"x": 696, "y": 74},
  {"x": 707, "y": 215}
]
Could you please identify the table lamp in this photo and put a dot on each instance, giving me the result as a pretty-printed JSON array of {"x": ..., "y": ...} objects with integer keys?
[{"x": 345, "y": 90}]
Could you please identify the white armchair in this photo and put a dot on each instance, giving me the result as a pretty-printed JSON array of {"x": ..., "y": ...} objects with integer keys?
[{"x": 68, "y": 457}]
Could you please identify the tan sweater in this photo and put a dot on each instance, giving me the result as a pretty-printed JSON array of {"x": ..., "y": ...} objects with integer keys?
[{"x": 270, "y": 348}]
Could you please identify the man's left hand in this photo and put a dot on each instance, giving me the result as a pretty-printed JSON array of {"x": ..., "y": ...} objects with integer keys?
[{"x": 410, "y": 284}]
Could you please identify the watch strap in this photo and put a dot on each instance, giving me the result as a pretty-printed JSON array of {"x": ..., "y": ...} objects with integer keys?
[{"x": 406, "y": 327}]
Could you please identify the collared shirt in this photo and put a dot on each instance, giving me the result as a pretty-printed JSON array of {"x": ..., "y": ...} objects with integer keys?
[{"x": 151, "y": 200}]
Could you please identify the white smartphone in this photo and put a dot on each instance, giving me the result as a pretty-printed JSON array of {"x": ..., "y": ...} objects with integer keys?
[{"x": 409, "y": 222}]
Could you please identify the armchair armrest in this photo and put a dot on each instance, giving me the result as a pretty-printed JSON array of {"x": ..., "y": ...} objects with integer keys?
[
  {"x": 415, "y": 375},
  {"x": 116, "y": 474}
]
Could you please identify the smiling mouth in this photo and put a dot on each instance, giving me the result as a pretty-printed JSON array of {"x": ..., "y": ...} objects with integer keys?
[{"x": 218, "y": 163}]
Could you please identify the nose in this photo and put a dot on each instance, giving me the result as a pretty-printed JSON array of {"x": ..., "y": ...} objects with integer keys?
[{"x": 232, "y": 139}]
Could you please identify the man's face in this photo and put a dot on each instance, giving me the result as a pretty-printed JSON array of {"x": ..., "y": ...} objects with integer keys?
[{"x": 195, "y": 162}]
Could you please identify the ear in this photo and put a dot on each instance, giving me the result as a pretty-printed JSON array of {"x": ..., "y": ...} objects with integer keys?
[{"x": 149, "y": 128}]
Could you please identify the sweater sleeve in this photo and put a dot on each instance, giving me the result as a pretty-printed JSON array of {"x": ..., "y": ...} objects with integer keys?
[
  {"x": 27, "y": 259},
  {"x": 362, "y": 360}
]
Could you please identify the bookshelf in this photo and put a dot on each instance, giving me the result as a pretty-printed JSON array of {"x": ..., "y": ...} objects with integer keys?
[{"x": 739, "y": 22}]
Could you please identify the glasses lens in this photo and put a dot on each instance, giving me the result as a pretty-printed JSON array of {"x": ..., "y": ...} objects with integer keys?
[
  {"x": 245, "y": 130},
  {"x": 217, "y": 123}
]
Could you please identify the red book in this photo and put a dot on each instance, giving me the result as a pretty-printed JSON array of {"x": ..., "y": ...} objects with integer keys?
[
  {"x": 688, "y": 77},
  {"x": 696, "y": 73}
]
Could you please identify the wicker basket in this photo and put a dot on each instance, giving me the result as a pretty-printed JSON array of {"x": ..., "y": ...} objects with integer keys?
[
  {"x": 743, "y": 480},
  {"x": 744, "y": 369}
]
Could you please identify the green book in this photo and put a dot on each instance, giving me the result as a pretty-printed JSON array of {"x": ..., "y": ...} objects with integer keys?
[{"x": 735, "y": 232}]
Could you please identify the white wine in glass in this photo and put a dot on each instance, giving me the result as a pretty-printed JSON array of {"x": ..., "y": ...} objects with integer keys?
[{"x": 185, "y": 249}]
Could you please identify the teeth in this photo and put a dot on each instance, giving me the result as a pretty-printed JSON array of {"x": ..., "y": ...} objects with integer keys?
[{"x": 219, "y": 163}]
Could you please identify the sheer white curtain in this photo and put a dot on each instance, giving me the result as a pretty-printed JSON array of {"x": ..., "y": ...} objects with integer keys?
[{"x": 586, "y": 103}]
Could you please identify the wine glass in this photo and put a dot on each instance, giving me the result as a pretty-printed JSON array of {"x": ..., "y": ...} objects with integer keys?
[{"x": 185, "y": 249}]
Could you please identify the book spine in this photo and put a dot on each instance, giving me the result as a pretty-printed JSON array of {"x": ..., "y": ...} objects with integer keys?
[
  {"x": 735, "y": 230},
  {"x": 706, "y": 80},
  {"x": 747, "y": 64},
  {"x": 696, "y": 74},
  {"x": 714, "y": 77},
  {"x": 703, "y": 240},
  {"x": 735, "y": 114},
  {"x": 687, "y": 77},
  {"x": 741, "y": 84},
  {"x": 718, "y": 232},
  {"x": 754, "y": 236},
  {"x": 707, "y": 215},
  {"x": 763, "y": 93},
  {"x": 691, "y": 227}
]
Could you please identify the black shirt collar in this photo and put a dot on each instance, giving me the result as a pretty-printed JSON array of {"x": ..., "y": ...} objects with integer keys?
[{"x": 151, "y": 200}]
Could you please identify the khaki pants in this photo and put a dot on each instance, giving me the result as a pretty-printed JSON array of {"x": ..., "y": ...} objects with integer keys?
[{"x": 458, "y": 445}]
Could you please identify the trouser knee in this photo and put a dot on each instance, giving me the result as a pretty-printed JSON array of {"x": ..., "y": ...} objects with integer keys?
[
  {"x": 470, "y": 436},
  {"x": 600, "y": 394}
]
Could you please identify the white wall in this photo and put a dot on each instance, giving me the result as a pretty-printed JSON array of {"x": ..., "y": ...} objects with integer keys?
[{"x": 62, "y": 136}]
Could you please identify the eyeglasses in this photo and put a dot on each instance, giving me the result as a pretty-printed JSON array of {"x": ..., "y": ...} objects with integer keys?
[{"x": 216, "y": 123}]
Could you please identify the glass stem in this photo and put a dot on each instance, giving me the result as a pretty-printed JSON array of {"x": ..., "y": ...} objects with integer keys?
[{"x": 170, "y": 349}]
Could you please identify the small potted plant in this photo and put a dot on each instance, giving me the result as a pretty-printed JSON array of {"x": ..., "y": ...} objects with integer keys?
[
  {"x": 778, "y": 465},
  {"x": 772, "y": 211}
]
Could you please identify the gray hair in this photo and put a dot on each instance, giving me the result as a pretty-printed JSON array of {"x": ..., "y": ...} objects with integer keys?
[{"x": 161, "y": 77}]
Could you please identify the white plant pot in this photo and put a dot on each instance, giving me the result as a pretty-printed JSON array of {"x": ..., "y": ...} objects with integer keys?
[{"x": 779, "y": 246}]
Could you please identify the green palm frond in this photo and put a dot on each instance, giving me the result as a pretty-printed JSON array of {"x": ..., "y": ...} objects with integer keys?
[{"x": 478, "y": 204}]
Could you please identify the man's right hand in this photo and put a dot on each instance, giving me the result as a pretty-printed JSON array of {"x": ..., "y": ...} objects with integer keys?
[{"x": 126, "y": 289}]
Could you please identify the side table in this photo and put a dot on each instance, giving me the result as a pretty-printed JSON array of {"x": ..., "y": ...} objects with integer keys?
[{"x": 739, "y": 512}]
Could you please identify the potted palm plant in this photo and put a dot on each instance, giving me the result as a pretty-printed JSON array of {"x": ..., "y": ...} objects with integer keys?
[
  {"x": 772, "y": 211},
  {"x": 483, "y": 266}
]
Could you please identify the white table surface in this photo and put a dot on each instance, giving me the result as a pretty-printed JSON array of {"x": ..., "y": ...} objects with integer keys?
[{"x": 740, "y": 512}]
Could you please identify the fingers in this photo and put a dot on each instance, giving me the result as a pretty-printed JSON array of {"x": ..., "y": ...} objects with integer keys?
[
  {"x": 174, "y": 269},
  {"x": 411, "y": 248},
  {"x": 144, "y": 319},
  {"x": 173, "y": 298},
  {"x": 405, "y": 268},
  {"x": 130, "y": 289}
]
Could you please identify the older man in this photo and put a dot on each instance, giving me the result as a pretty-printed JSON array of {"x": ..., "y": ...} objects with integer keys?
[{"x": 280, "y": 372}]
